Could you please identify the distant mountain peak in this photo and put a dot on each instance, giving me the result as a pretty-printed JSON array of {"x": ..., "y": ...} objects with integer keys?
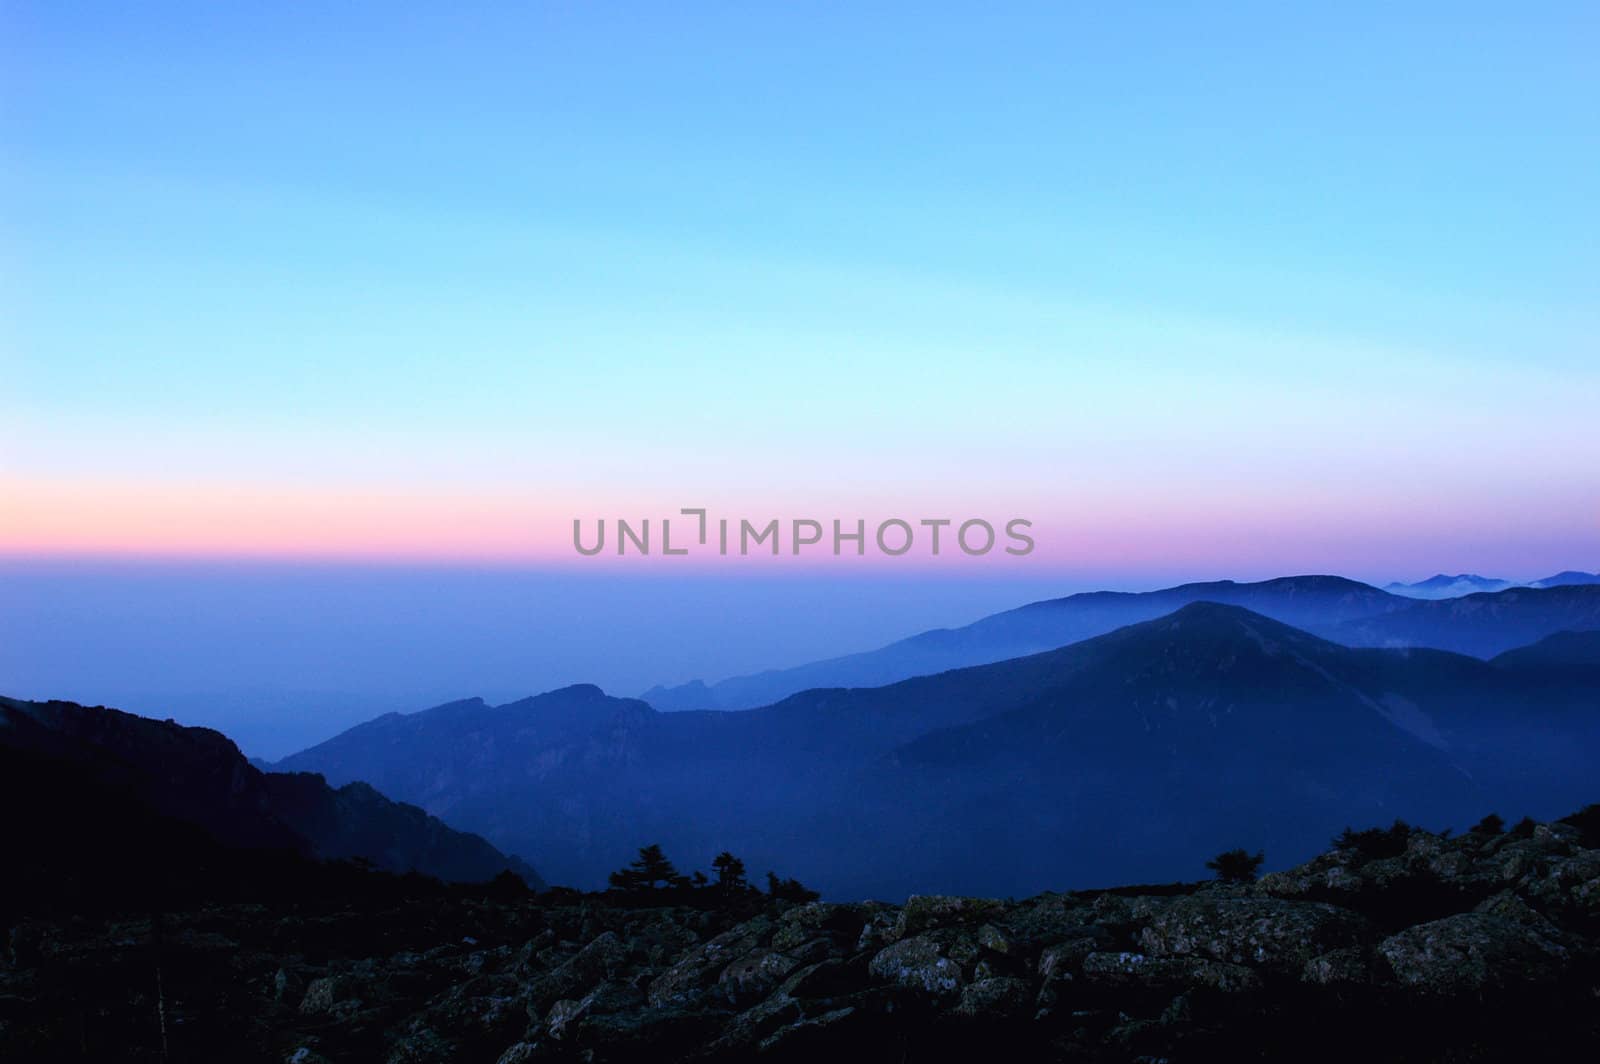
[
  {"x": 1315, "y": 601},
  {"x": 1444, "y": 585},
  {"x": 1568, "y": 578}
]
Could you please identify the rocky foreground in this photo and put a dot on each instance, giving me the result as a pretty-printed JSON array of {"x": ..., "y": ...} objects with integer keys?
[{"x": 1398, "y": 945}]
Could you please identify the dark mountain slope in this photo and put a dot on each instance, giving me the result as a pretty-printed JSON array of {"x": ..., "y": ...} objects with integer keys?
[
  {"x": 1215, "y": 720},
  {"x": 1564, "y": 649},
  {"x": 197, "y": 777},
  {"x": 1121, "y": 756},
  {"x": 1312, "y": 602}
]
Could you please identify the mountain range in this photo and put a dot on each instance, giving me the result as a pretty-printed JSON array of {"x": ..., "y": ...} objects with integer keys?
[
  {"x": 1342, "y": 610},
  {"x": 108, "y": 780},
  {"x": 1128, "y": 755},
  {"x": 1441, "y": 585}
]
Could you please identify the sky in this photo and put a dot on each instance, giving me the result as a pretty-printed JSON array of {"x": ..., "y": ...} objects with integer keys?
[{"x": 1201, "y": 291}]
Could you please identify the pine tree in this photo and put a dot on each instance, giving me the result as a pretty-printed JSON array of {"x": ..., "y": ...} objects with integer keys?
[
  {"x": 652, "y": 869},
  {"x": 730, "y": 873}
]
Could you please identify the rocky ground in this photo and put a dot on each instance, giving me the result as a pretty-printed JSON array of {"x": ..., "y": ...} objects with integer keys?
[{"x": 1398, "y": 946}]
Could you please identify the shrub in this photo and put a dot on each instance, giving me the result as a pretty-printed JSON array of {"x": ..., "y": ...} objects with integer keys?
[
  {"x": 789, "y": 889},
  {"x": 1587, "y": 821},
  {"x": 1376, "y": 843},
  {"x": 1493, "y": 824},
  {"x": 1237, "y": 866}
]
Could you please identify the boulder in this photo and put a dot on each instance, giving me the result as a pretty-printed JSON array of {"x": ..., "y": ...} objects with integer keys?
[
  {"x": 1472, "y": 952},
  {"x": 1350, "y": 966},
  {"x": 924, "y": 912},
  {"x": 687, "y": 980},
  {"x": 921, "y": 963},
  {"x": 995, "y": 999},
  {"x": 1125, "y": 969},
  {"x": 1268, "y": 933},
  {"x": 751, "y": 977}
]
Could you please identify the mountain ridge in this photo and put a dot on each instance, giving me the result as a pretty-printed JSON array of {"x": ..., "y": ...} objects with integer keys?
[
  {"x": 198, "y": 776},
  {"x": 1343, "y": 610},
  {"x": 1031, "y": 628},
  {"x": 832, "y": 779}
]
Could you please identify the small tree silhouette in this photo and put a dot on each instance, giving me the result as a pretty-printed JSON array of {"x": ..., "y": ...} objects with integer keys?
[
  {"x": 1237, "y": 866},
  {"x": 1375, "y": 844},
  {"x": 730, "y": 873},
  {"x": 789, "y": 889},
  {"x": 1493, "y": 824},
  {"x": 650, "y": 870}
]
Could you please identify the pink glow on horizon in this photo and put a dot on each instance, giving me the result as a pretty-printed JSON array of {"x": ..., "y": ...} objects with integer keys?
[{"x": 1109, "y": 530}]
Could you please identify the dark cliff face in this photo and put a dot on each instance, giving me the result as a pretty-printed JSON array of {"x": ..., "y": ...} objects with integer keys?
[
  {"x": 90, "y": 767},
  {"x": 1131, "y": 755},
  {"x": 1396, "y": 945}
]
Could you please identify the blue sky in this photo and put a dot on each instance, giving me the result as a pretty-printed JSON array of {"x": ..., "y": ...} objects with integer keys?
[
  {"x": 1203, "y": 290},
  {"x": 360, "y": 246}
]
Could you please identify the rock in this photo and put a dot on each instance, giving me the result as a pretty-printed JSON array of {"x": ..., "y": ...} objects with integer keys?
[
  {"x": 575, "y": 976},
  {"x": 995, "y": 940},
  {"x": 756, "y": 1023},
  {"x": 827, "y": 978},
  {"x": 796, "y": 1037},
  {"x": 752, "y": 977},
  {"x": 323, "y": 994},
  {"x": 923, "y": 912},
  {"x": 599, "y": 958},
  {"x": 1470, "y": 952},
  {"x": 1497, "y": 955},
  {"x": 421, "y": 1046},
  {"x": 807, "y": 922},
  {"x": 997, "y": 998},
  {"x": 564, "y": 1013},
  {"x": 1508, "y": 906},
  {"x": 1260, "y": 932},
  {"x": 1046, "y": 920},
  {"x": 1137, "y": 969},
  {"x": 880, "y": 930},
  {"x": 1561, "y": 880},
  {"x": 687, "y": 980},
  {"x": 1350, "y": 966},
  {"x": 606, "y": 999},
  {"x": 1060, "y": 961},
  {"x": 287, "y": 986},
  {"x": 920, "y": 963}
]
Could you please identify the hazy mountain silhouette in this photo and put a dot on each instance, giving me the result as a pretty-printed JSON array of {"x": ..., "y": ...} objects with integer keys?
[
  {"x": 1344, "y": 611},
  {"x": 1569, "y": 578},
  {"x": 1482, "y": 625},
  {"x": 1131, "y": 755},
  {"x": 198, "y": 777},
  {"x": 1311, "y": 602},
  {"x": 1443, "y": 586}
]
